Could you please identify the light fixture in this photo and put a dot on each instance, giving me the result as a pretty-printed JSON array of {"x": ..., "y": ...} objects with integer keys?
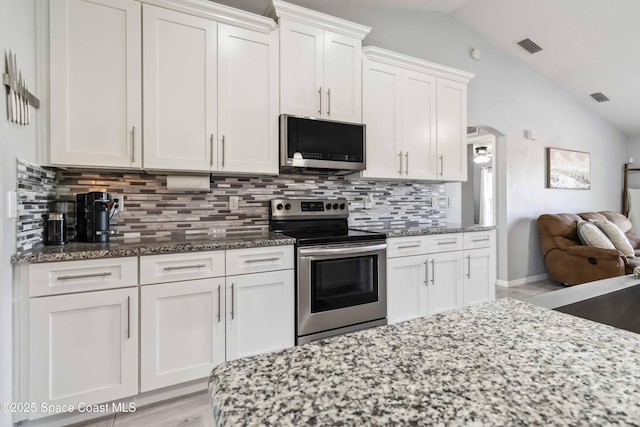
[{"x": 481, "y": 156}]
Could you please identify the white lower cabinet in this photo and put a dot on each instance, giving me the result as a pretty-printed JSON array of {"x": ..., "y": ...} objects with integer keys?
[
  {"x": 423, "y": 284},
  {"x": 83, "y": 348},
  {"x": 480, "y": 276},
  {"x": 181, "y": 331},
  {"x": 432, "y": 274},
  {"x": 260, "y": 313}
]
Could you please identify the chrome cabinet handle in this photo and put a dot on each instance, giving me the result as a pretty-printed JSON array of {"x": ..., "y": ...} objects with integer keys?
[
  {"x": 433, "y": 272},
  {"x": 128, "y": 317},
  {"x": 222, "y": 150},
  {"x": 232, "y": 302},
  {"x": 400, "y": 156},
  {"x": 481, "y": 240},
  {"x": 409, "y": 246},
  {"x": 469, "y": 266},
  {"x": 133, "y": 145},
  {"x": 329, "y": 102},
  {"x": 406, "y": 157},
  {"x": 184, "y": 267},
  {"x": 320, "y": 96},
  {"x": 426, "y": 272},
  {"x": 211, "y": 141},
  {"x": 441, "y": 165},
  {"x": 448, "y": 242},
  {"x": 249, "y": 261},
  {"x": 84, "y": 276},
  {"x": 218, "y": 303}
]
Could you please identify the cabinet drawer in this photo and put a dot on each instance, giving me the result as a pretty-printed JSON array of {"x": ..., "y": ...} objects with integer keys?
[
  {"x": 65, "y": 277},
  {"x": 177, "y": 267},
  {"x": 443, "y": 242},
  {"x": 479, "y": 239},
  {"x": 256, "y": 260},
  {"x": 406, "y": 246}
]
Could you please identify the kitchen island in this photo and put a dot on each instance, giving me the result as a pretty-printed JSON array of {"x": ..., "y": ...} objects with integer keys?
[{"x": 500, "y": 363}]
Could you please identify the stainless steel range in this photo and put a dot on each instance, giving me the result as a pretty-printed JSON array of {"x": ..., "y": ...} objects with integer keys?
[{"x": 341, "y": 276}]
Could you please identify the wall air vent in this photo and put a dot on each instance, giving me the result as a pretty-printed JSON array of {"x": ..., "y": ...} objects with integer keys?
[
  {"x": 599, "y": 96},
  {"x": 529, "y": 46}
]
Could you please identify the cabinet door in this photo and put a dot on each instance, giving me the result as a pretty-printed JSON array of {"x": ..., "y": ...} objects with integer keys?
[
  {"x": 342, "y": 77},
  {"x": 179, "y": 90},
  {"x": 83, "y": 347},
  {"x": 418, "y": 125},
  {"x": 247, "y": 100},
  {"x": 260, "y": 314},
  {"x": 301, "y": 59},
  {"x": 452, "y": 130},
  {"x": 445, "y": 281},
  {"x": 406, "y": 288},
  {"x": 96, "y": 83},
  {"x": 381, "y": 99},
  {"x": 480, "y": 276},
  {"x": 181, "y": 331}
]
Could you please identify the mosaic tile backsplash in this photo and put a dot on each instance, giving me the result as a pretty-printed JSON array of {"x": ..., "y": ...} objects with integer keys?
[
  {"x": 35, "y": 189},
  {"x": 152, "y": 210}
]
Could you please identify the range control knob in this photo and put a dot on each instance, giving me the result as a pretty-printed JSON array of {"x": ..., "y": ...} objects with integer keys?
[
  {"x": 342, "y": 206},
  {"x": 335, "y": 206},
  {"x": 328, "y": 206},
  {"x": 287, "y": 206},
  {"x": 279, "y": 206}
]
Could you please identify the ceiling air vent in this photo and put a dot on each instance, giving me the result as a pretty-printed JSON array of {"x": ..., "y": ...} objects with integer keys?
[
  {"x": 599, "y": 96},
  {"x": 529, "y": 46}
]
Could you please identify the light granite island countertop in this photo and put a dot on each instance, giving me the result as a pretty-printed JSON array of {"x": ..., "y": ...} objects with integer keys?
[
  {"x": 150, "y": 246},
  {"x": 500, "y": 363}
]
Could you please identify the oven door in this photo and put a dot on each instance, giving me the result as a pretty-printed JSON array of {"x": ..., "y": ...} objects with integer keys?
[{"x": 341, "y": 285}]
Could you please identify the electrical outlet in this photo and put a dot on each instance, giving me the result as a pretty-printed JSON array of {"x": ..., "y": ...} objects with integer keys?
[
  {"x": 233, "y": 203},
  {"x": 11, "y": 204},
  {"x": 118, "y": 198}
]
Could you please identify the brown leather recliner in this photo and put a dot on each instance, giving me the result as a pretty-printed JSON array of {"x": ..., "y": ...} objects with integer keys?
[{"x": 570, "y": 262}]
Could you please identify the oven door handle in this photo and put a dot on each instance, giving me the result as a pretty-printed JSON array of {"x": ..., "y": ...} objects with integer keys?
[{"x": 341, "y": 250}]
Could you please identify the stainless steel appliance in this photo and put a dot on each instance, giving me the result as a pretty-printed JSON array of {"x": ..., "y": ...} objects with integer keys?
[
  {"x": 309, "y": 145},
  {"x": 341, "y": 273},
  {"x": 55, "y": 229}
]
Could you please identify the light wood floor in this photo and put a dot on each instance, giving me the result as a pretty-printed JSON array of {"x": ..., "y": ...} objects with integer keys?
[
  {"x": 191, "y": 411},
  {"x": 195, "y": 410},
  {"x": 528, "y": 290}
]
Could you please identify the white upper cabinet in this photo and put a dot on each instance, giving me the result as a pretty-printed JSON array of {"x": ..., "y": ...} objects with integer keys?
[
  {"x": 320, "y": 64},
  {"x": 247, "y": 101},
  {"x": 180, "y": 82},
  {"x": 416, "y": 117},
  {"x": 95, "y": 74}
]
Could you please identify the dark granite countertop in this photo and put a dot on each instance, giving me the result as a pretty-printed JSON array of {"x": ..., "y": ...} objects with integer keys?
[
  {"x": 404, "y": 231},
  {"x": 500, "y": 363},
  {"x": 150, "y": 246}
]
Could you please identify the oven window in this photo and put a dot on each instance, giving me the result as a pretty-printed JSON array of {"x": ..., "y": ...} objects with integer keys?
[{"x": 345, "y": 282}]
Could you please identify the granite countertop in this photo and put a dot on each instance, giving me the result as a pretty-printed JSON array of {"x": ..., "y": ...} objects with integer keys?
[
  {"x": 500, "y": 363},
  {"x": 150, "y": 246},
  {"x": 407, "y": 231}
]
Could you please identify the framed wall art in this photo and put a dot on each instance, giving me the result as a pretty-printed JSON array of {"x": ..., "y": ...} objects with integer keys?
[{"x": 568, "y": 169}]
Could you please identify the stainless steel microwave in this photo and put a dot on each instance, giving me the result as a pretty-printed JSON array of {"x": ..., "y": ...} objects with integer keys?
[{"x": 318, "y": 146}]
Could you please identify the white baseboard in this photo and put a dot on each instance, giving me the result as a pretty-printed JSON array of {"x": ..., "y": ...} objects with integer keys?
[{"x": 524, "y": 280}]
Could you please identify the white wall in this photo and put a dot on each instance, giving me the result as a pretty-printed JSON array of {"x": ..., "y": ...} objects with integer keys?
[
  {"x": 17, "y": 32},
  {"x": 633, "y": 150},
  {"x": 510, "y": 97}
]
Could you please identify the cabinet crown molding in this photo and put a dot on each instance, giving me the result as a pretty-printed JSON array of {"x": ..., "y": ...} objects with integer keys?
[
  {"x": 373, "y": 53},
  {"x": 280, "y": 9},
  {"x": 218, "y": 12}
]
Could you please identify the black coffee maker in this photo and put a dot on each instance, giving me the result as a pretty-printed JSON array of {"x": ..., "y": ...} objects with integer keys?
[{"x": 92, "y": 217}]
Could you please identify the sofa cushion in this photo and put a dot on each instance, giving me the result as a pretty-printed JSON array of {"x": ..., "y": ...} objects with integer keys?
[
  {"x": 616, "y": 236},
  {"x": 591, "y": 235}
]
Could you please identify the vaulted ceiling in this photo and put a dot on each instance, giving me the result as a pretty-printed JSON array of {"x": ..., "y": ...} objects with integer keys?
[{"x": 588, "y": 46}]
